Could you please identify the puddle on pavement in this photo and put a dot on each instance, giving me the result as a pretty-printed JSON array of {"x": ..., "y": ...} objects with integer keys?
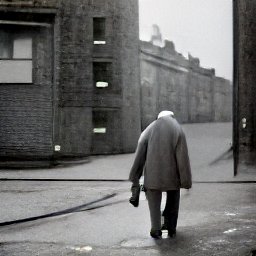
[
  {"x": 230, "y": 231},
  {"x": 82, "y": 248},
  {"x": 230, "y": 214}
]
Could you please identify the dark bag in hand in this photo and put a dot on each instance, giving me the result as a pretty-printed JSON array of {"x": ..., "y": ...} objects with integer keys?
[{"x": 134, "y": 200}]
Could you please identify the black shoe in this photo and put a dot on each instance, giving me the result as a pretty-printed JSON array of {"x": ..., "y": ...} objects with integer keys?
[
  {"x": 172, "y": 233},
  {"x": 157, "y": 234}
]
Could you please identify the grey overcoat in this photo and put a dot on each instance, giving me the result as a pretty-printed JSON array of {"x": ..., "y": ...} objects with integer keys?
[{"x": 163, "y": 155}]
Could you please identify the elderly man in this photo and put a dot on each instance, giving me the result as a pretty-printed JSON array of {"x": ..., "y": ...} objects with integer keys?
[{"x": 163, "y": 156}]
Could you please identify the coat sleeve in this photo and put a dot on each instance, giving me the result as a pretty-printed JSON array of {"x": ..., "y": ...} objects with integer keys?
[
  {"x": 183, "y": 162},
  {"x": 139, "y": 161},
  {"x": 140, "y": 156}
]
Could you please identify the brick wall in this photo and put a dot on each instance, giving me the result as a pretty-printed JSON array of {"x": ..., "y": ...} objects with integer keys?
[{"x": 26, "y": 108}]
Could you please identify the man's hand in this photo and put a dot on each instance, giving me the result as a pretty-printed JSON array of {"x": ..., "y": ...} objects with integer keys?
[{"x": 134, "y": 200}]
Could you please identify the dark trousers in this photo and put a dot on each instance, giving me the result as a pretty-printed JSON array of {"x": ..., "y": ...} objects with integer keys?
[{"x": 170, "y": 212}]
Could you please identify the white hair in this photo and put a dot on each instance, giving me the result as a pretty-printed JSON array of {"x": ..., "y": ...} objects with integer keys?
[{"x": 165, "y": 113}]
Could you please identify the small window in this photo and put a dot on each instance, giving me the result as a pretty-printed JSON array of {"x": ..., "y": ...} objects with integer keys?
[
  {"x": 100, "y": 84},
  {"x": 100, "y": 121},
  {"x": 99, "y": 27},
  {"x": 100, "y": 130},
  {"x": 102, "y": 74},
  {"x": 15, "y": 57}
]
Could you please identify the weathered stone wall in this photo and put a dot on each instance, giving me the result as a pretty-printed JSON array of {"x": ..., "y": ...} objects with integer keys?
[
  {"x": 170, "y": 81},
  {"x": 245, "y": 77}
]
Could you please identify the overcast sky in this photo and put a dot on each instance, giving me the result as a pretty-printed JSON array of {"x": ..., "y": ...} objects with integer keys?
[{"x": 201, "y": 27}]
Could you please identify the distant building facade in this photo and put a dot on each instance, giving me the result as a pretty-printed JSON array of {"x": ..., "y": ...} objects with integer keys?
[
  {"x": 69, "y": 78},
  {"x": 171, "y": 81}
]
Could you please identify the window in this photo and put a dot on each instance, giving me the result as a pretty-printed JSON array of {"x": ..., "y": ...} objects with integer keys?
[
  {"x": 99, "y": 36},
  {"x": 100, "y": 130},
  {"x": 15, "y": 57},
  {"x": 100, "y": 121},
  {"x": 101, "y": 84},
  {"x": 102, "y": 74}
]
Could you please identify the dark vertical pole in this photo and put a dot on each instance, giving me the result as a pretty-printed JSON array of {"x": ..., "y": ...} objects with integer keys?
[
  {"x": 235, "y": 85},
  {"x": 55, "y": 88},
  {"x": 189, "y": 94}
]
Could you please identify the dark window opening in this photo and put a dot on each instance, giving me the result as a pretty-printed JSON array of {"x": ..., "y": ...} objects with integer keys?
[
  {"x": 100, "y": 121},
  {"x": 99, "y": 33},
  {"x": 102, "y": 74},
  {"x": 15, "y": 45},
  {"x": 106, "y": 130}
]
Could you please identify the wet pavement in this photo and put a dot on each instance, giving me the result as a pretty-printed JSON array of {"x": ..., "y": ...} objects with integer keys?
[
  {"x": 215, "y": 219},
  {"x": 95, "y": 218}
]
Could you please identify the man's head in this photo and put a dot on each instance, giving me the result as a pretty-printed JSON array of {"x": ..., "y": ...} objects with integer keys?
[{"x": 165, "y": 113}]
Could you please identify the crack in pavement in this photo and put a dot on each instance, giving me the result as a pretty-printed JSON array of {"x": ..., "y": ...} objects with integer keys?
[{"x": 58, "y": 213}]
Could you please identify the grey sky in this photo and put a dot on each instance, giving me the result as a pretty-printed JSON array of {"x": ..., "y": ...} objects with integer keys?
[{"x": 201, "y": 27}]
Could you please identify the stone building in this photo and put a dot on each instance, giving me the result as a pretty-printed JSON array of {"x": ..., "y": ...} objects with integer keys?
[
  {"x": 171, "y": 81},
  {"x": 69, "y": 78}
]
